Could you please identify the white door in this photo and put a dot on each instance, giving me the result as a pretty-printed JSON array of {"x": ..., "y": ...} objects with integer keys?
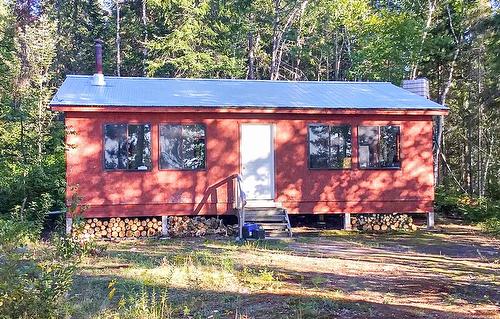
[{"x": 257, "y": 161}]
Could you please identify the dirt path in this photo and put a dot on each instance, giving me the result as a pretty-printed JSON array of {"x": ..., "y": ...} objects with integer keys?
[{"x": 453, "y": 272}]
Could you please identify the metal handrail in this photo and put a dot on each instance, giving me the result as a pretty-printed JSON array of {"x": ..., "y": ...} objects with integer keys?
[{"x": 241, "y": 201}]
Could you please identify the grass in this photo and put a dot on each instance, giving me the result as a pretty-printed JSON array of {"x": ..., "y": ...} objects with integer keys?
[{"x": 332, "y": 274}]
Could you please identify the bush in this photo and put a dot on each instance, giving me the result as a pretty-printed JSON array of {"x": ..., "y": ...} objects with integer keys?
[
  {"x": 467, "y": 207},
  {"x": 491, "y": 225},
  {"x": 35, "y": 276}
]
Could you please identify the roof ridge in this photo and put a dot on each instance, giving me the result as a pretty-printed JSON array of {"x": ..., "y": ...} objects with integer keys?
[{"x": 142, "y": 78}]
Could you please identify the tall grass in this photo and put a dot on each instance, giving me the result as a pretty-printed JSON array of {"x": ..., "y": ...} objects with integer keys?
[{"x": 145, "y": 305}]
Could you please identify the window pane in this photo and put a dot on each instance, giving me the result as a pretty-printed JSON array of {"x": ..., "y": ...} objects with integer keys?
[
  {"x": 170, "y": 147},
  {"x": 340, "y": 146},
  {"x": 193, "y": 146},
  {"x": 389, "y": 146},
  {"x": 368, "y": 146},
  {"x": 318, "y": 146},
  {"x": 139, "y": 147},
  {"x": 115, "y": 146}
]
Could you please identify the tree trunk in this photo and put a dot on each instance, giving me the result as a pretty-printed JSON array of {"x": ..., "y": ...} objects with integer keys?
[
  {"x": 251, "y": 57},
  {"x": 276, "y": 40},
  {"x": 470, "y": 172},
  {"x": 449, "y": 80},
  {"x": 439, "y": 138},
  {"x": 145, "y": 38},
  {"x": 279, "y": 31},
  {"x": 430, "y": 11},
  {"x": 118, "y": 40},
  {"x": 300, "y": 43},
  {"x": 489, "y": 157},
  {"x": 40, "y": 125}
]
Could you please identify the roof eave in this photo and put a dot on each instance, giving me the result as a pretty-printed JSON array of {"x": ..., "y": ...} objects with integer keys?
[{"x": 249, "y": 109}]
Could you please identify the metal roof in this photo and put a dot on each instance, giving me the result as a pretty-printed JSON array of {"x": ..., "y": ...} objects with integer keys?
[{"x": 78, "y": 90}]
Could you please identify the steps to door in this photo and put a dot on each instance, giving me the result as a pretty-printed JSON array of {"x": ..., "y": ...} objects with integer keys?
[{"x": 273, "y": 219}]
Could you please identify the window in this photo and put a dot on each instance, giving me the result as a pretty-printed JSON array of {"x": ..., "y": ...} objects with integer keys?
[
  {"x": 127, "y": 146},
  {"x": 379, "y": 146},
  {"x": 329, "y": 146},
  {"x": 182, "y": 147}
]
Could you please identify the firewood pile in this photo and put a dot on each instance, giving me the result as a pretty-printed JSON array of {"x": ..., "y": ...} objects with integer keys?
[
  {"x": 114, "y": 228},
  {"x": 198, "y": 226},
  {"x": 383, "y": 222}
]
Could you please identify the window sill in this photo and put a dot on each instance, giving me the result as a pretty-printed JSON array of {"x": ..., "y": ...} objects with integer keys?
[
  {"x": 379, "y": 168},
  {"x": 330, "y": 169},
  {"x": 183, "y": 170},
  {"x": 127, "y": 170}
]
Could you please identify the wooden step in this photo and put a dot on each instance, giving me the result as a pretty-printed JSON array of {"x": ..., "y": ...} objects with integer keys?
[
  {"x": 263, "y": 210},
  {"x": 269, "y": 218},
  {"x": 262, "y": 203},
  {"x": 274, "y": 220},
  {"x": 274, "y": 226},
  {"x": 262, "y": 215},
  {"x": 278, "y": 234}
]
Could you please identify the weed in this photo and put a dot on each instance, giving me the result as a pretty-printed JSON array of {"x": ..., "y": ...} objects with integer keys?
[
  {"x": 318, "y": 281},
  {"x": 146, "y": 305},
  {"x": 259, "y": 279}
]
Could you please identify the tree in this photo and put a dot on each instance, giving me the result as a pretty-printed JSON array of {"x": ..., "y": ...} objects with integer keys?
[{"x": 190, "y": 40}]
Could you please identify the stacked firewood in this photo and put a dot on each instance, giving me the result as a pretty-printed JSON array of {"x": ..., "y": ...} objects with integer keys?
[
  {"x": 198, "y": 226},
  {"x": 117, "y": 227},
  {"x": 113, "y": 228},
  {"x": 383, "y": 222}
]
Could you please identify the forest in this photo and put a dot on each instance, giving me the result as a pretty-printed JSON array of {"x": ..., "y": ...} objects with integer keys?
[{"x": 455, "y": 44}]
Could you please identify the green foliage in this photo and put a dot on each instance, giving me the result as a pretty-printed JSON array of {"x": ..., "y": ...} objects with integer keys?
[
  {"x": 34, "y": 212},
  {"x": 14, "y": 234},
  {"x": 389, "y": 42},
  {"x": 464, "y": 206},
  {"x": 145, "y": 305},
  {"x": 34, "y": 276},
  {"x": 491, "y": 225},
  {"x": 80, "y": 23},
  {"x": 31, "y": 142},
  {"x": 191, "y": 41}
]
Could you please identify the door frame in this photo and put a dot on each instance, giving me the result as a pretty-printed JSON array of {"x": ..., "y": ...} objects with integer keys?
[{"x": 273, "y": 158}]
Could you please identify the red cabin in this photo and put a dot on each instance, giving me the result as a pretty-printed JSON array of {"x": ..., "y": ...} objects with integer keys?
[{"x": 158, "y": 147}]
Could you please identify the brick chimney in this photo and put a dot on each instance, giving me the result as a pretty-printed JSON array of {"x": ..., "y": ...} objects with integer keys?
[
  {"x": 98, "y": 78},
  {"x": 417, "y": 86}
]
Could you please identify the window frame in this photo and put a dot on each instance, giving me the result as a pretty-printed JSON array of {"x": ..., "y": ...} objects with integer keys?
[
  {"x": 309, "y": 148},
  {"x": 103, "y": 134},
  {"x": 182, "y": 169},
  {"x": 398, "y": 146}
]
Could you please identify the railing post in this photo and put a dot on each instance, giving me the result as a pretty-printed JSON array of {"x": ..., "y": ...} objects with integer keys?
[{"x": 240, "y": 205}]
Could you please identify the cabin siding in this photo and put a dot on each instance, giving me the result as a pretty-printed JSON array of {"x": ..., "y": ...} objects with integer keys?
[{"x": 210, "y": 191}]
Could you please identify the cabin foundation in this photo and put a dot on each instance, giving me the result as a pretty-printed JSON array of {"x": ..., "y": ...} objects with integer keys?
[
  {"x": 347, "y": 221},
  {"x": 430, "y": 220},
  {"x": 69, "y": 225},
  {"x": 164, "y": 226}
]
